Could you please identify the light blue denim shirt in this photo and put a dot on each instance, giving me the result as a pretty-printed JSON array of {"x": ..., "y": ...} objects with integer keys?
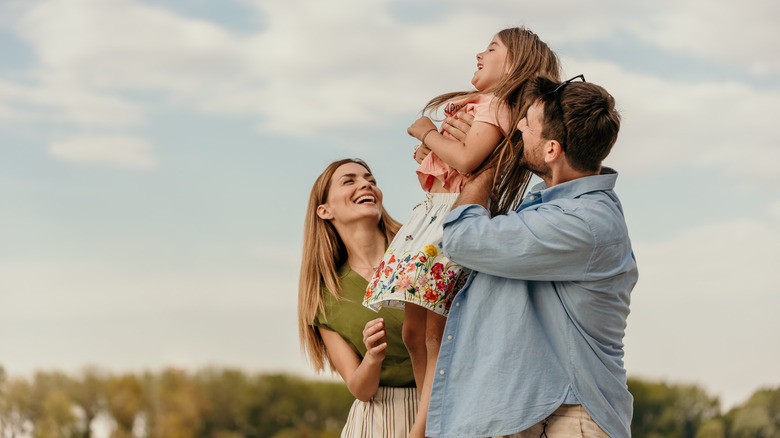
[{"x": 541, "y": 320}]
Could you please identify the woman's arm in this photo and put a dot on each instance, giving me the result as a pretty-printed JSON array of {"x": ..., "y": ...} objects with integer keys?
[
  {"x": 361, "y": 377},
  {"x": 464, "y": 156}
]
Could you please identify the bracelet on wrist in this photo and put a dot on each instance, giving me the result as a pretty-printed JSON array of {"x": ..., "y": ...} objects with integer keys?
[{"x": 426, "y": 134}]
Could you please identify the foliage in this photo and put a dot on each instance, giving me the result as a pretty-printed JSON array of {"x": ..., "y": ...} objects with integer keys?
[
  {"x": 758, "y": 418},
  {"x": 210, "y": 403},
  {"x": 228, "y": 403},
  {"x": 669, "y": 411}
]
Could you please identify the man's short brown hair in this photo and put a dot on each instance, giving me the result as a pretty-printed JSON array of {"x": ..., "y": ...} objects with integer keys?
[{"x": 582, "y": 117}]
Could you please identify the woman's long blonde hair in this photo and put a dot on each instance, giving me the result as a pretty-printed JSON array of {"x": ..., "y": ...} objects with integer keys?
[
  {"x": 323, "y": 254},
  {"x": 528, "y": 56}
]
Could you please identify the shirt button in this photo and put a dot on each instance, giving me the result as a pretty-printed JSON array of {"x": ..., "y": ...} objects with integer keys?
[
  {"x": 441, "y": 372},
  {"x": 457, "y": 304},
  {"x": 449, "y": 337},
  {"x": 531, "y": 197}
]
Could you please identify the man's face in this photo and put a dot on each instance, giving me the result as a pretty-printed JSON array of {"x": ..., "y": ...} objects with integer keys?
[{"x": 533, "y": 142}]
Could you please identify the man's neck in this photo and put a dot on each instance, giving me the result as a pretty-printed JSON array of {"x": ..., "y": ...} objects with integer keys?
[{"x": 565, "y": 174}]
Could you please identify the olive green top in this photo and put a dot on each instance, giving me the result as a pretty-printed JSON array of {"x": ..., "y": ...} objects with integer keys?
[{"x": 348, "y": 318}]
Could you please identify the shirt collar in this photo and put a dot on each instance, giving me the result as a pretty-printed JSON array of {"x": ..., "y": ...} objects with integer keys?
[{"x": 577, "y": 187}]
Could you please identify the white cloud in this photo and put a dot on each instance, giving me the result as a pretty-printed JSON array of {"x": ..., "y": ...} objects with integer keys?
[
  {"x": 9, "y": 111},
  {"x": 297, "y": 77},
  {"x": 742, "y": 32},
  {"x": 93, "y": 55},
  {"x": 774, "y": 209},
  {"x": 704, "y": 306},
  {"x": 294, "y": 81},
  {"x": 170, "y": 283},
  {"x": 108, "y": 66},
  {"x": 116, "y": 151},
  {"x": 706, "y": 124}
]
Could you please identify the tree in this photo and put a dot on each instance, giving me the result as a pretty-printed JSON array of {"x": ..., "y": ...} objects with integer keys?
[
  {"x": 124, "y": 401},
  {"x": 179, "y": 405},
  {"x": 231, "y": 395},
  {"x": 3, "y": 402},
  {"x": 87, "y": 393},
  {"x": 758, "y": 418},
  {"x": 715, "y": 428},
  {"x": 287, "y": 404},
  {"x": 670, "y": 411},
  {"x": 57, "y": 419},
  {"x": 17, "y": 408}
]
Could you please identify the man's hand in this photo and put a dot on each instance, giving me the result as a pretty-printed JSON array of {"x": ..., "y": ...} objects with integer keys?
[
  {"x": 477, "y": 190},
  {"x": 458, "y": 125}
]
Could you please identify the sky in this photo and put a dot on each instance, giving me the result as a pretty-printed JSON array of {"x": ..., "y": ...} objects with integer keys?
[{"x": 156, "y": 159}]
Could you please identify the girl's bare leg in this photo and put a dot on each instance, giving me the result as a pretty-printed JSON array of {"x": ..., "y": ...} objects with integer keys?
[
  {"x": 413, "y": 334},
  {"x": 434, "y": 328}
]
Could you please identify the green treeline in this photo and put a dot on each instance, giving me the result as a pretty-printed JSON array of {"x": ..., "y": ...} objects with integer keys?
[{"x": 227, "y": 403}]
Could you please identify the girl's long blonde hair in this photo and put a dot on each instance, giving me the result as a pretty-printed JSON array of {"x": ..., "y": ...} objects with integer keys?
[
  {"x": 528, "y": 56},
  {"x": 323, "y": 254}
]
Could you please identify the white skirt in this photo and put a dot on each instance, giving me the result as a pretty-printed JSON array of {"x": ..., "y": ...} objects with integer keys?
[{"x": 389, "y": 414}]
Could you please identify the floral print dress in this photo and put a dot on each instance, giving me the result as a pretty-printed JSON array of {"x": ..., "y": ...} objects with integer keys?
[{"x": 414, "y": 268}]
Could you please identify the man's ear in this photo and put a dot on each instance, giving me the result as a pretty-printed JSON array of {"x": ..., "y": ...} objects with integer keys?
[
  {"x": 323, "y": 212},
  {"x": 552, "y": 151}
]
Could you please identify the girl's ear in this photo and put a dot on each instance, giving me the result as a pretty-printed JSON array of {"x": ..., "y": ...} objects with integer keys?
[{"x": 323, "y": 212}]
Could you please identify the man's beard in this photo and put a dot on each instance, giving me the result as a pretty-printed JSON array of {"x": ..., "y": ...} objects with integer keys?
[{"x": 540, "y": 169}]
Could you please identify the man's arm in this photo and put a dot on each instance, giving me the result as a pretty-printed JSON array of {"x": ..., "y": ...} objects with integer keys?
[
  {"x": 544, "y": 243},
  {"x": 476, "y": 190}
]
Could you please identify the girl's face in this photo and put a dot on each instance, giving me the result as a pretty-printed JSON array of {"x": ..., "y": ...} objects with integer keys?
[
  {"x": 353, "y": 195},
  {"x": 491, "y": 65}
]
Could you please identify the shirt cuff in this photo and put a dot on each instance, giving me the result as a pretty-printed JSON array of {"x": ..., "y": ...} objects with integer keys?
[{"x": 463, "y": 211}]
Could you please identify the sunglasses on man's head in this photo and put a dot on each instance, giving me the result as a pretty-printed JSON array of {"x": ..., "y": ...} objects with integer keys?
[
  {"x": 554, "y": 92},
  {"x": 565, "y": 83}
]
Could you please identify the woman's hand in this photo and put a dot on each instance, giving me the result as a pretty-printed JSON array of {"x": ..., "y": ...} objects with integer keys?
[{"x": 375, "y": 339}]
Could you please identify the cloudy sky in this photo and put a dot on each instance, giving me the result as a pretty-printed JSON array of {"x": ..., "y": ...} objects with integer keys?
[{"x": 156, "y": 157}]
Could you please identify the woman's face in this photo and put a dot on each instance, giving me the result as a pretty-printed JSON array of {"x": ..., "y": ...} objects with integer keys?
[{"x": 353, "y": 195}]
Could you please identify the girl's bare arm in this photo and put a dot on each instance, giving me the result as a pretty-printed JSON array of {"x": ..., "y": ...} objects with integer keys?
[{"x": 464, "y": 156}]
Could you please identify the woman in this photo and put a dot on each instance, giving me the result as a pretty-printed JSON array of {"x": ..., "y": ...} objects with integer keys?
[{"x": 346, "y": 233}]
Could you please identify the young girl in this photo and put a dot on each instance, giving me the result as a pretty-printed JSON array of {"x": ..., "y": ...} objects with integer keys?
[{"x": 414, "y": 269}]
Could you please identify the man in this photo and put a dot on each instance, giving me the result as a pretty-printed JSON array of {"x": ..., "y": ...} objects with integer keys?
[{"x": 533, "y": 345}]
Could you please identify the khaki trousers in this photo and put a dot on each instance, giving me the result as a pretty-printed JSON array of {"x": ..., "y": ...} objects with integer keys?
[{"x": 568, "y": 421}]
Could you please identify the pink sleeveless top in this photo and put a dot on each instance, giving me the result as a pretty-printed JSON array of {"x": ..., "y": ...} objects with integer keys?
[{"x": 482, "y": 107}]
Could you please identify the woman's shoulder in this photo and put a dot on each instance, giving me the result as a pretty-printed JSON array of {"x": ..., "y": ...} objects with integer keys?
[{"x": 353, "y": 287}]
